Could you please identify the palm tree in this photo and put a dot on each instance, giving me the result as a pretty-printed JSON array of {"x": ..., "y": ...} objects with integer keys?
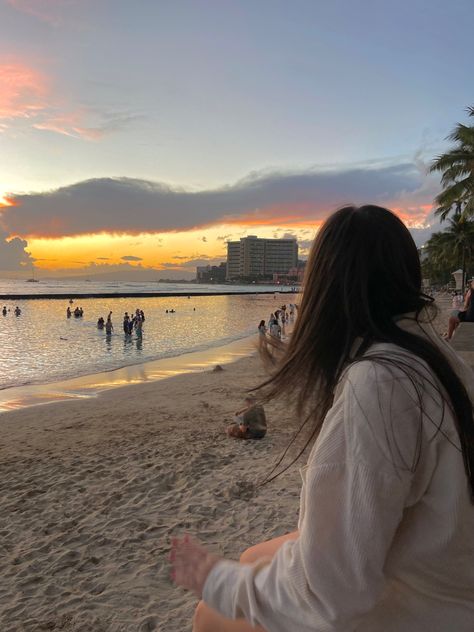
[
  {"x": 451, "y": 248},
  {"x": 457, "y": 168}
]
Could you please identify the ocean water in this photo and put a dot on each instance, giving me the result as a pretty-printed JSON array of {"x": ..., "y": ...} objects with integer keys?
[
  {"x": 55, "y": 286},
  {"x": 42, "y": 345}
]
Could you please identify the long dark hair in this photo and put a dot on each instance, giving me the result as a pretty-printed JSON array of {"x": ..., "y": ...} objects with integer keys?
[{"x": 362, "y": 273}]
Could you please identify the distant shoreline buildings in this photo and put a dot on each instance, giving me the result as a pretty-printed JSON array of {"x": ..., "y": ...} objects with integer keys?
[{"x": 256, "y": 260}]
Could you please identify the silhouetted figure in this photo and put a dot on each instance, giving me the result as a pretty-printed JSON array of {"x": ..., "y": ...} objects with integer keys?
[
  {"x": 126, "y": 321},
  {"x": 108, "y": 325}
]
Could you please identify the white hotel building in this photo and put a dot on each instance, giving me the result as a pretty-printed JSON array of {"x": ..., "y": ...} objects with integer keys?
[{"x": 252, "y": 257}]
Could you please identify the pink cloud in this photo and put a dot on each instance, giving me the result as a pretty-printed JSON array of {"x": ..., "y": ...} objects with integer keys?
[
  {"x": 49, "y": 11},
  {"x": 24, "y": 91},
  {"x": 70, "y": 124},
  {"x": 28, "y": 97}
]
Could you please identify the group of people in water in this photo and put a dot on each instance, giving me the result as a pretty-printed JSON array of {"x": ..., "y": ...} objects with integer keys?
[
  {"x": 278, "y": 320},
  {"x": 131, "y": 323},
  {"x": 16, "y": 311},
  {"x": 77, "y": 313}
]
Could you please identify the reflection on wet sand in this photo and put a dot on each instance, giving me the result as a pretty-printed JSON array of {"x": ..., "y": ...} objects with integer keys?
[{"x": 92, "y": 385}]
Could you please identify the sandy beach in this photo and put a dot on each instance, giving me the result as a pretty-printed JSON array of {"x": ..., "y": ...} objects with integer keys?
[{"x": 93, "y": 488}]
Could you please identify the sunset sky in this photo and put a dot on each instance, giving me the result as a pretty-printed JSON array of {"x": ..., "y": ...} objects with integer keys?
[{"x": 143, "y": 135}]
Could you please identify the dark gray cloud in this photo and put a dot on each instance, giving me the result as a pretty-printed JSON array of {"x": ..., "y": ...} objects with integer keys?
[
  {"x": 126, "y": 205},
  {"x": 13, "y": 255},
  {"x": 131, "y": 258}
]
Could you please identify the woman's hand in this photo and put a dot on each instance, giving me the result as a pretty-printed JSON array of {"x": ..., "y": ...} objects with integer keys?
[{"x": 191, "y": 563}]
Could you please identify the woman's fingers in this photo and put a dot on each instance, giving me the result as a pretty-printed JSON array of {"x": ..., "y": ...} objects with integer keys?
[{"x": 190, "y": 563}]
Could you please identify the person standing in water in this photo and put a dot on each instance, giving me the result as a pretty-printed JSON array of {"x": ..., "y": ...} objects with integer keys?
[
  {"x": 126, "y": 321},
  {"x": 139, "y": 327},
  {"x": 384, "y": 541},
  {"x": 108, "y": 325}
]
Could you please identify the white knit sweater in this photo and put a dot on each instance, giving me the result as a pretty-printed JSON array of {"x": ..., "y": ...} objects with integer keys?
[{"x": 385, "y": 544}]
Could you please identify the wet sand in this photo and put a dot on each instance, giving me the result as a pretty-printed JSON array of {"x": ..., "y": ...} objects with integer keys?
[{"x": 88, "y": 386}]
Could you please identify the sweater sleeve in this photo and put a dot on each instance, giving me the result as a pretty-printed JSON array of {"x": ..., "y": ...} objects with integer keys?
[{"x": 333, "y": 574}]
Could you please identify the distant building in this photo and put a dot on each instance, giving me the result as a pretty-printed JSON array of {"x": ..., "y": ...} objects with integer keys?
[
  {"x": 295, "y": 275},
  {"x": 259, "y": 259},
  {"x": 211, "y": 274}
]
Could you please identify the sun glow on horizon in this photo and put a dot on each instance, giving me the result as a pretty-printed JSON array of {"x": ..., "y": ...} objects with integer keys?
[{"x": 180, "y": 250}]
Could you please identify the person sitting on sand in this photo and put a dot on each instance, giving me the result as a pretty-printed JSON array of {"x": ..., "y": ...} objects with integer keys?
[
  {"x": 252, "y": 423},
  {"x": 464, "y": 315},
  {"x": 384, "y": 541}
]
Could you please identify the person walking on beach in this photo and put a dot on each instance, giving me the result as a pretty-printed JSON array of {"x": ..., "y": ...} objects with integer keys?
[
  {"x": 4, "y": 310},
  {"x": 251, "y": 422},
  {"x": 17, "y": 311},
  {"x": 68, "y": 312},
  {"x": 385, "y": 534},
  {"x": 262, "y": 330}
]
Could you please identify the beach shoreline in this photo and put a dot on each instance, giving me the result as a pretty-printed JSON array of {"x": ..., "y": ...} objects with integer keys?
[{"x": 94, "y": 384}]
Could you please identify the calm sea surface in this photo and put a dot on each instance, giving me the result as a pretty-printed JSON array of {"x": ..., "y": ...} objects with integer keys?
[{"x": 42, "y": 345}]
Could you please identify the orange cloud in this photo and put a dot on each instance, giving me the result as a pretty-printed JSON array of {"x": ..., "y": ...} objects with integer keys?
[
  {"x": 414, "y": 216},
  {"x": 6, "y": 201}
]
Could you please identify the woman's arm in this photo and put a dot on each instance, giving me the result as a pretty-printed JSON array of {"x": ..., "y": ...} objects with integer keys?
[{"x": 467, "y": 299}]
